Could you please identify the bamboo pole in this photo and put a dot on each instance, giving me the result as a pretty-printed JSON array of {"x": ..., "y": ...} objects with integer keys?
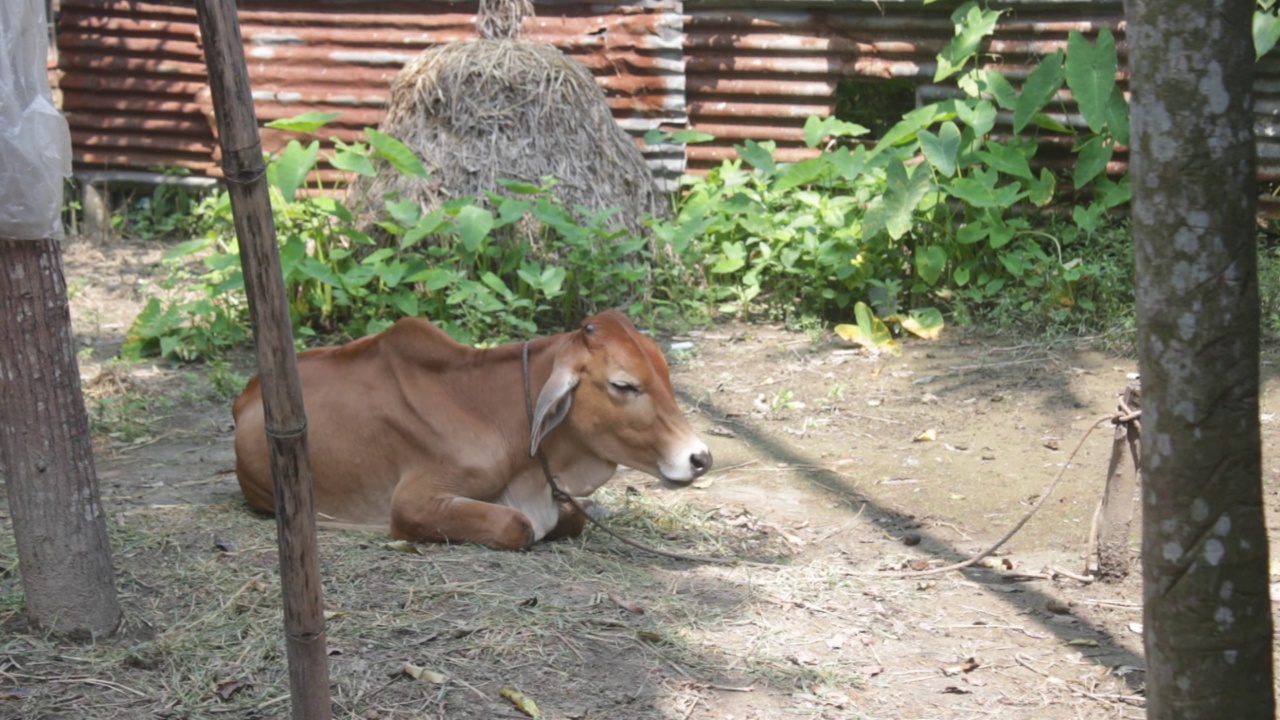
[{"x": 286, "y": 421}]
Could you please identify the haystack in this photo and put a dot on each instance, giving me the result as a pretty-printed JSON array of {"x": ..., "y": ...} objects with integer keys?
[{"x": 481, "y": 110}]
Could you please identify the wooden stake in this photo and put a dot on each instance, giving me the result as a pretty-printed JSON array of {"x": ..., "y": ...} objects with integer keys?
[
  {"x": 286, "y": 422},
  {"x": 1110, "y": 556}
]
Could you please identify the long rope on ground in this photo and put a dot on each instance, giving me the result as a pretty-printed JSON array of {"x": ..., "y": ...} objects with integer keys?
[{"x": 1105, "y": 419}]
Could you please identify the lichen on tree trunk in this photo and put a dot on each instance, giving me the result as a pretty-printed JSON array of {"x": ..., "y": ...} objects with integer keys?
[
  {"x": 1208, "y": 629},
  {"x": 47, "y": 451}
]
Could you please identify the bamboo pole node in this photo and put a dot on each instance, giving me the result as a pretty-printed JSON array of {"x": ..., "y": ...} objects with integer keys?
[{"x": 288, "y": 434}]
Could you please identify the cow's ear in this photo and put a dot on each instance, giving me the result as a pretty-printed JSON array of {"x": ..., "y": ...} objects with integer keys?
[{"x": 553, "y": 404}]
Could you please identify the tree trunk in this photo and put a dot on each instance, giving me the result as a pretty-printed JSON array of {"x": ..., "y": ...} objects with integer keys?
[
  {"x": 47, "y": 451},
  {"x": 1206, "y": 607}
]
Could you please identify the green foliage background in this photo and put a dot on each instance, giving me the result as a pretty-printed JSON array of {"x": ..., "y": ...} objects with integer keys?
[{"x": 946, "y": 215}]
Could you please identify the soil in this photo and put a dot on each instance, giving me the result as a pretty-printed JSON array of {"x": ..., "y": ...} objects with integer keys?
[{"x": 835, "y": 461}]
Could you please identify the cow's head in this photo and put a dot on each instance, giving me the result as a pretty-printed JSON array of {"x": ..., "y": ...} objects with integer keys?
[{"x": 610, "y": 386}]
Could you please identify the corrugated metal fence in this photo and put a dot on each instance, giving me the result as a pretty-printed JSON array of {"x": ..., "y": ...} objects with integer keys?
[{"x": 133, "y": 75}]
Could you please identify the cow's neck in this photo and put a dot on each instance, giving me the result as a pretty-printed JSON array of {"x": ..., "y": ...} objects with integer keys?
[{"x": 577, "y": 470}]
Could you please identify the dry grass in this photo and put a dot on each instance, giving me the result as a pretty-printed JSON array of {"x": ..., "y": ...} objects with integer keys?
[
  {"x": 482, "y": 110},
  {"x": 582, "y": 624}
]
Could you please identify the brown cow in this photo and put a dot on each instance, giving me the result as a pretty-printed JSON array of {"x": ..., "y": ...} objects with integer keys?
[{"x": 410, "y": 429}]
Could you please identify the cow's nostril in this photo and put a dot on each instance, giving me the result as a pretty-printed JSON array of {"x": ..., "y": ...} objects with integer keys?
[{"x": 700, "y": 461}]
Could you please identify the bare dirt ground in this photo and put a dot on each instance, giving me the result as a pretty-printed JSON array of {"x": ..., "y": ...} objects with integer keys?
[{"x": 830, "y": 464}]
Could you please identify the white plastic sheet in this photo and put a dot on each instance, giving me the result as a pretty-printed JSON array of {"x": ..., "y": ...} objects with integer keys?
[{"x": 35, "y": 142}]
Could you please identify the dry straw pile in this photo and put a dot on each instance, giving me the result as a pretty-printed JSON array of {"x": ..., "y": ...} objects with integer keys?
[{"x": 500, "y": 107}]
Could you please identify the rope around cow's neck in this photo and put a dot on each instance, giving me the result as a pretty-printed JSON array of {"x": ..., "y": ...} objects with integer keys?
[{"x": 562, "y": 496}]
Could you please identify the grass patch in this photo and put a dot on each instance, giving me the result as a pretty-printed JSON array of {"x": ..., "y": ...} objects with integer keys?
[{"x": 583, "y": 625}]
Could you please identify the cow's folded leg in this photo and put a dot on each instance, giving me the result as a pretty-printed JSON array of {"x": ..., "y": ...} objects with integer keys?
[
  {"x": 458, "y": 519},
  {"x": 569, "y": 524}
]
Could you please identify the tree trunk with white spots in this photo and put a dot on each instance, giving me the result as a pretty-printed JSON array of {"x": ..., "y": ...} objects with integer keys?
[
  {"x": 47, "y": 452},
  {"x": 1207, "y": 612}
]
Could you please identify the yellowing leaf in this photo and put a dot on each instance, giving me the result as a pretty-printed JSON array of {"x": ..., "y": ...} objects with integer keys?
[
  {"x": 925, "y": 323},
  {"x": 521, "y": 701},
  {"x": 870, "y": 332},
  {"x": 927, "y": 436},
  {"x": 403, "y": 546}
]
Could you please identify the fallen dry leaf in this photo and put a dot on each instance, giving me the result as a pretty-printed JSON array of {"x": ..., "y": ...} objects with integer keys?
[
  {"x": 631, "y": 607},
  {"x": 228, "y": 688},
  {"x": 421, "y": 673},
  {"x": 927, "y": 436},
  {"x": 525, "y": 703}
]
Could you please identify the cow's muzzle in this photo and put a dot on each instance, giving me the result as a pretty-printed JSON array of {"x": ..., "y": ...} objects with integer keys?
[{"x": 699, "y": 464}]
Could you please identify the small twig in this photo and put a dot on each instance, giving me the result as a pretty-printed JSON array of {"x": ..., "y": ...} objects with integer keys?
[{"x": 1018, "y": 628}]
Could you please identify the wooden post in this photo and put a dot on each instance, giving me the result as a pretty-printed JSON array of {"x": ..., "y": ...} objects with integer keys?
[
  {"x": 286, "y": 421},
  {"x": 1109, "y": 556}
]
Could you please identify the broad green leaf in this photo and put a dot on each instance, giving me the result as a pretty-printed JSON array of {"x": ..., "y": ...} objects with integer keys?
[
  {"x": 758, "y": 155},
  {"x": 974, "y": 192},
  {"x": 332, "y": 207},
  {"x": 815, "y": 128},
  {"x": 1266, "y": 31},
  {"x": 690, "y": 137},
  {"x": 352, "y": 161},
  {"x": 288, "y": 171},
  {"x": 1041, "y": 85},
  {"x": 1000, "y": 89},
  {"x": 1008, "y": 159},
  {"x": 973, "y": 23},
  {"x": 1091, "y": 75},
  {"x": 930, "y": 262},
  {"x": 849, "y": 165},
  {"x": 1111, "y": 193},
  {"x": 869, "y": 332},
  {"x": 405, "y": 212},
  {"x": 1014, "y": 262},
  {"x": 309, "y": 121},
  {"x": 395, "y": 152},
  {"x": 474, "y": 224},
  {"x": 1046, "y": 121},
  {"x": 1092, "y": 157},
  {"x": 496, "y": 284},
  {"x": 960, "y": 275},
  {"x": 657, "y": 136},
  {"x": 941, "y": 149},
  {"x": 907, "y": 128},
  {"x": 904, "y": 189},
  {"x": 802, "y": 173},
  {"x": 1040, "y": 191},
  {"x": 378, "y": 256},
  {"x": 520, "y": 187},
  {"x": 981, "y": 116},
  {"x": 406, "y": 302},
  {"x": 425, "y": 225},
  {"x": 1086, "y": 218},
  {"x": 317, "y": 270},
  {"x": 187, "y": 248},
  {"x": 735, "y": 257},
  {"x": 1118, "y": 117}
]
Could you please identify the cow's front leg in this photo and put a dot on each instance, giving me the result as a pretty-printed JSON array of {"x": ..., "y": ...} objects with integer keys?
[{"x": 458, "y": 519}]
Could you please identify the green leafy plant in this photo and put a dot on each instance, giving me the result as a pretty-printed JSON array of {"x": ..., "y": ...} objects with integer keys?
[
  {"x": 458, "y": 264},
  {"x": 943, "y": 210}
]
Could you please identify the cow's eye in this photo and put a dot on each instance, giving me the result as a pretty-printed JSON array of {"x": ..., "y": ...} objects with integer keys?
[{"x": 625, "y": 388}]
